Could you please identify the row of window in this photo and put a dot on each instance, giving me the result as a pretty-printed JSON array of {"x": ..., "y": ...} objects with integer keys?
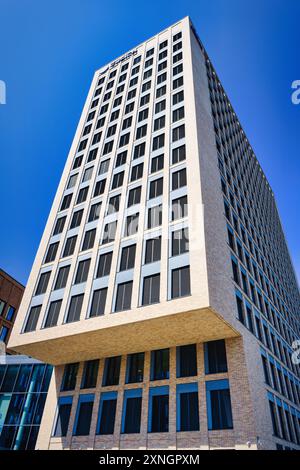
[
  {"x": 219, "y": 414},
  {"x": 186, "y": 366},
  {"x": 285, "y": 420}
]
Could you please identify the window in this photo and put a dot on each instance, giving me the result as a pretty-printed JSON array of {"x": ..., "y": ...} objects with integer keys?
[
  {"x": 154, "y": 216},
  {"x": 137, "y": 172},
  {"x": 111, "y": 372},
  {"x": 219, "y": 415},
  {"x": 70, "y": 377},
  {"x": 131, "y": 227},
  {"x": 100, "y": 123},
  {"x": 159, "y": 123},
  {"x": 163, "y": 44},
  {"x": 87, "y": 174},
  {"x": 113, "y": 204},
  {"x": 2, "y": 306},
  {"x": 90, "y": 374},
  {"x": 129, "y": 108},
  {"x": 161, "y": 91},
  {"x": 179, "y": 208},
  {"x": 160, "y": 106},
  {"x": 43, "y": 283},
  {"x": 114, "y": 115},
  {"x": 143, "y": 114},
  {"x": 178, "y": 82},
  {"x": 187, "y": 418},
  {"x": 178, "y": 154},
  {"x": 178, "y": 133},
  {"x": 160, "y": 360},
  {"x": 117, "y": 180},
  {"x": 127, "y": 257},
  {"x": 66, "y": 202},
  {"x": 177, "y": 57},
  {"x": 151, "y": 289},
  {"x": 109, "y": 232},
  {"x": 107, "y": 413},
  {"x": 70, "y": 246},
  {"x": 177, "y": 98},
  {"x": 141, "y": 131},
  {"x": 215, "y": 357},
  {"x": 77, "y": 162},
  {"x": 158, "y": 142},
  {"x": 104, "y": 167},
  {"x": 153, "y": 250},
  {"x": 139, "y": 150},
  {"x": 72, "y": 181},
  {"x": 51, "y": 253},
  {"x": 92, "y": 155},
  {"x": 4, "y": 333},
  {"x": 98, "y": 302},
  {"x": 186, "y": 360},
  {"x": 134, "y": 196},
  {"x": 135, "y": 368},
  {"x": 124, "y": 139},
  {"x": 180, "y": 282},
  {"x": 104, "y": 264},
  {"x": 274, "y": 418},
  {"x": 53, "y": 314},
  {"x": 161, "y": 78},
  {"x": 156, "y": 188},
  {"x": 76, "y": 219},
  {"x": 108, "y": 147},
  {"x": 83, "y": 415},
  {"x": 62, "y": 277},
  {"x": 178, "y": 179},
  {"x": 132, "y": 408},
  {"x": 59, "y": 226},
  {"x": 82, "y": 271},
  {"x": 121, "y": 158},
  {"x": 157, "y": 163},
  {"x": 33, "y": 318},
  {"x": 99, "y": 188},
  {"x": 240, "y": 309},
  {"x": 126, "y": 123},
  {"x": 178, "y": 114},
  {"x": 177, "y": 36},
  {"x": 94, "y": 212},
  {"x": 74, "y": 308},
  {"x": 63, "y": 416},
  {"x": 82, "y": 195},
  {"x": 158, "y": 409},
  {"x": 123, "y": 299},
  {"x": 10, "y": 312},
  {"x": 180, "y": 241},
  {"x": 89, "y": 239},
  {"x": 146, "y": 86},
  {"x": 144, "y": 100},
  {"x": 177, "y": 69}
]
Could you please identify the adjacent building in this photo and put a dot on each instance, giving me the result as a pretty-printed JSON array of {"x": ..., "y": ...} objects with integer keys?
[
  {"x": 11, "y": 292},
  {"x": 163, "y": 291}
]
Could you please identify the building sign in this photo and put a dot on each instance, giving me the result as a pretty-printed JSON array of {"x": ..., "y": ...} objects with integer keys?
[{"x": 118, "y": 61}]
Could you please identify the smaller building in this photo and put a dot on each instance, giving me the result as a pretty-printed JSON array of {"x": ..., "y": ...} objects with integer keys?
[
  {"x": 24, "y": 385},
  {"x": 11, "y": 293}
]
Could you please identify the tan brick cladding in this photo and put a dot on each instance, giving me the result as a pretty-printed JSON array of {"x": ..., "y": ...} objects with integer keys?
[{"x": 243, "y": 434}]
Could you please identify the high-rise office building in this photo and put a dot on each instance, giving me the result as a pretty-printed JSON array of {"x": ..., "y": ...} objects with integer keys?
[
  {"x": 11, "y": 292},
  {"x": 163, "y": 291}
]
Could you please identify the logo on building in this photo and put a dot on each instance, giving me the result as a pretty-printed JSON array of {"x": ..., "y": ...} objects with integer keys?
[
  {"x": 296, "y": 93},
  {"x": 2, "y": 92}
]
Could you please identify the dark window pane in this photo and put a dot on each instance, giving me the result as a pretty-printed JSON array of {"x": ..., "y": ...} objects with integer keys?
[
  {"x": 187, "y": 360},
  {"x": 107, "y": 419},
  {"x": 160, "y": 413},
  {"x": 215, "y": 357},
  {"x": 160, "y": 364},
  {"x": 70, "y": 376},
  {"x": 90, "y": 373},
  {"x": 111, "y": 371},
  {"x": 135, "y": 367},
  {"x": 133, "y": 415}
]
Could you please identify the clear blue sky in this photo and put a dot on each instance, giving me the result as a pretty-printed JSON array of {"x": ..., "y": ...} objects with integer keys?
[{"x": 49, "y": 51}]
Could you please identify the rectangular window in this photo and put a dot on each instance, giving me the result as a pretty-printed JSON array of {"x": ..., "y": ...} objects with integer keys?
[
  {"x": 178, "y": 133},
  {"x": 137, "y": 172},
  {"x": 76, "y": 219},
  {"x": 160, "y": 368},
  {"x": 153, "y": 250},
  {"x": 180, "y": 241},
  {"x": 83, "y": 415},
  {"x": 43, "y": 283},
  {"x": 117, "y": 180},
  {"x": 69, "y": 377},
  {"x": 98, "y": 302},
  {"x": 69, "y": 246},
  {"x": 82, "y": 271},
  {"x": 62, "y": 277},
  {"x": 90, "y": 374},
  {"x": 219, "y": 414},
  {"x": 51, "y": 253},
  {"x": 179, "y": 208},
  {"x": 187, "y": 418},
  {"x": 178, "y": 97},
  {"x": 94, "y": 212},
  {"x": 33, "y": 318},
  {"x": 157, "y": 163},
  {"x": 63, "y": 416},
  {"x": 156, "y": 188},
  {"x": 178, "y": 154},
  {"x": 186, "y": 360},
  {"x": 121, "y": 158},
  {"x": 108, "y": 147},
  {"x": 104, "y": 166},
  {"x": 135, "y": 368},
  {"x": 134, "y": 196},
  {"x": 82, "y": 195},
  {"x": 132, "y": 408},
  {"x": 89, "y": 239},
  {"x": 158, "y": 142},
  {"x": 215, "y": 357},
  {"x": 178, "y": 114},
  {"x": 132, "y": 223},
  {"x": 107, "y": 413},
  {"x": 53, "y": 314},
  {"x": 59, "y": 226},
  {"x": 109, "y": 232},
  {"x": 159, "y": 123},
  {"x": 141, "y": 131},
  {"x": 158, "y": 420},
  {"x": 139, "y": 150},
  {"x": 104, "y": 264},
  {"x": 151, "y": 289},
  {"x": 113, "y": 204},
  {"x": 87, "y": 174},
  {"x": 74, "y": 308},
  {"x": 92, "y": 155},
  {"x": 99, "y": 188},
  {"x": 178, "y": 179},
  {"x": 111, "y": 372},
  {"x": 154, "y": 216},
  {"x": 10, "y": 313},
  {"x": 66, "y": 202},
  {"x": 123, "y": 299},
  {"x": 127, "y": 257},
  {"x": 181, "y": 282}
]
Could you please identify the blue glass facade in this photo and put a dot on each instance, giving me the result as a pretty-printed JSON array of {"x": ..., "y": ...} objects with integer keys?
[{"x": 24, "y": 385}]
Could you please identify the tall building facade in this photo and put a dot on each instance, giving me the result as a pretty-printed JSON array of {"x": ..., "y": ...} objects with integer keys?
[
  {"x": 11, "y": 292},
  {"x": 163, "y": 291}
]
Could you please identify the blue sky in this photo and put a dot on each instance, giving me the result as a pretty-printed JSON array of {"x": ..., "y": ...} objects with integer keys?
[{"x": 49, "y": 51}]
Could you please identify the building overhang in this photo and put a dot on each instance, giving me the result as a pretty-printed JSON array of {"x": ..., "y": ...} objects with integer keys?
[{"x": 193, "y": 326}]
